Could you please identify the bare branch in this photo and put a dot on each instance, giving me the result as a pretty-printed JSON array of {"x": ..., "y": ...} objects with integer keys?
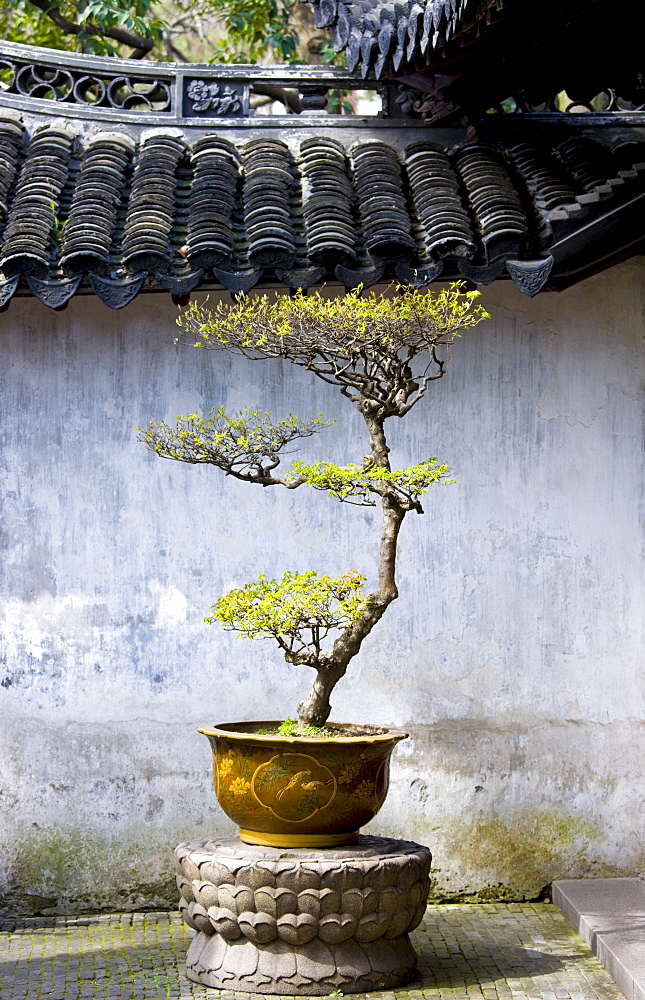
[
  {"x": 315, "y": 709},
  {"x": 173, "y": 51},
  {"x": 285, "y": 96}
]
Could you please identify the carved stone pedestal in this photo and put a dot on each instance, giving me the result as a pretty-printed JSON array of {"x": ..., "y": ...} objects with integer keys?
[{"x": 298, "y": 921}]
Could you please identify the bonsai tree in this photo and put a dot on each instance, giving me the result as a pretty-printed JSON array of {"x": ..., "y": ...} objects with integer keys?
[{"x": 382, "y": 352}]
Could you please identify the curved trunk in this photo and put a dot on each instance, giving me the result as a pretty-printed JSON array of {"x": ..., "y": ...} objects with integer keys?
[
  {"x": 379, "y": 450},
  {"x": 315, "y": 709}
]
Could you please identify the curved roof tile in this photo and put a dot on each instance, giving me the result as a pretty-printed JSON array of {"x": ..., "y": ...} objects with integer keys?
[{"x": 119, "y": 215}]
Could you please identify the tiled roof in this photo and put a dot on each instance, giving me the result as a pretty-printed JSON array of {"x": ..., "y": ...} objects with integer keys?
[
  {"x": 480, "y": 52},
  {"x": 118, "y": 213},
  {"x": 371, "y": 32}
]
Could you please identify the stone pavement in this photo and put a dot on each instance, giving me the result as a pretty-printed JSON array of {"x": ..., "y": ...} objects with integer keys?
[{"x": 517, "y": 951}]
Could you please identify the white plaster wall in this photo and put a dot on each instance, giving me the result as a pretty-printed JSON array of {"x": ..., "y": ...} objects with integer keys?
[{"x": 514, "y": 656}]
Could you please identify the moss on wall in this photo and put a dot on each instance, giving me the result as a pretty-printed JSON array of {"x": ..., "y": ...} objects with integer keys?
[
  {"x": 62, "y": 870},
  {"x": 515, "y": 857},
  {"x": 492, "y": 859}
]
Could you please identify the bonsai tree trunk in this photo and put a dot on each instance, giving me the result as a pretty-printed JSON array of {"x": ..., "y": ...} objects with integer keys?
[{"x": 330, "y": 667}]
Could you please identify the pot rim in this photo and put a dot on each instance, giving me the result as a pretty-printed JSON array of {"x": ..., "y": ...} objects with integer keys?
[{"x": 231, "y": 733}]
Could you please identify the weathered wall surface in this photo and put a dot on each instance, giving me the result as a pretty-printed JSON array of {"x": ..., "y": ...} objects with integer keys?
[{"x": 515, "y": 655}]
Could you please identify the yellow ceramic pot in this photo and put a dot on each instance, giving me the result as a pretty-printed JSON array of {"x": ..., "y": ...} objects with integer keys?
[{"x": 300, "y": 791}]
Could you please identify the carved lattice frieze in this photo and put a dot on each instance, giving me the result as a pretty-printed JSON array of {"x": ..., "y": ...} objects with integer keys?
[{"x": 77, "y": 86}]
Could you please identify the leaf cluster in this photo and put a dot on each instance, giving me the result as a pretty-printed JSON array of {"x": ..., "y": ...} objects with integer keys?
[
  {"x": 361, "y": 485},
  {"x": 298, "y": 610},
  {"x": 364, "y": 344},
  {"x": 246, "y": 31},
  {"x": 345, "y": 325},
  {"x": 23, "y": 21},
  {"x": 247, "y": 445},
  {"x": 135, "y": 15},
  {"x": 255, "y": 28},
  {"x": 290, "y": 727}
]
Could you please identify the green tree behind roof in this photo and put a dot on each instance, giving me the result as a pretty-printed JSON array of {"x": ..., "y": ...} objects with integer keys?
[{"x": 221, "y": 31}]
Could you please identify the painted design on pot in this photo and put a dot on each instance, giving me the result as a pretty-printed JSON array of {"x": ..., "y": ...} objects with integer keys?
[
  {"x": 365, "y": 790},
  {"x": 239, "y": 787},
  {"x": 294, "y": 786},
  {"x": 233, "y": 772},
  {"x": 225, "y": 766},
  {"x": 349, "y": 772},
  {"x": 300, "y": 791}
]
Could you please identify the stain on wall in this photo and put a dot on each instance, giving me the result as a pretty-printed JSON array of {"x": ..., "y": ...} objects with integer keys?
[{"x": 514, "y": 656}]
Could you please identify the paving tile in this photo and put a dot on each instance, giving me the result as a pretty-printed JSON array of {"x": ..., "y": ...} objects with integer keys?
[{"x": 466, "y": 952}]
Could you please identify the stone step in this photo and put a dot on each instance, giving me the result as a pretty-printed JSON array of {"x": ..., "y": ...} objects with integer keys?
[{"x": 609, "y": 913}]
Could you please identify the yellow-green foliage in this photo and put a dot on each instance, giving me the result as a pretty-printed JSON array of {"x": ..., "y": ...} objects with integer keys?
[
  {"x": 298, "y": 610},
  {"x": 290, "y": 727},
  {"x": 239, "y": 442},
  {"x": 347, "y": 324},
  {"x": 359, "y": 485}
]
